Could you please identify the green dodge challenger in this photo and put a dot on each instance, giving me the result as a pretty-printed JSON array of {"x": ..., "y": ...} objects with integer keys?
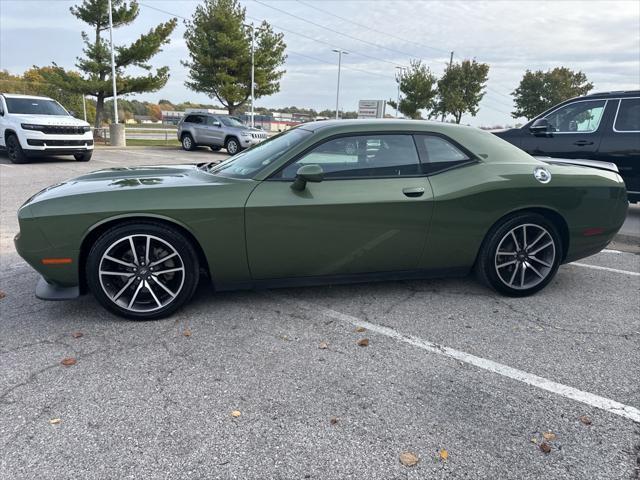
[{"x": 324, "y": 203}]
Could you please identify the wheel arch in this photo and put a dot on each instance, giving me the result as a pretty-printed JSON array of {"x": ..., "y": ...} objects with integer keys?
[
  {"x": 231, "y": 135},
  {"x": 101, "y": 227},
  {"x": 8, "y": 132}
]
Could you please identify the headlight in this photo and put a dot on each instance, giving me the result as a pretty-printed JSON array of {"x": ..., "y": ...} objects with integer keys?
[
  {"x": 32, "y": 126},
  {"x": 245, "y": 134}
]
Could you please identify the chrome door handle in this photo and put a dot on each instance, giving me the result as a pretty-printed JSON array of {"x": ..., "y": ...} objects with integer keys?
[{"x": 413, "y": 191}]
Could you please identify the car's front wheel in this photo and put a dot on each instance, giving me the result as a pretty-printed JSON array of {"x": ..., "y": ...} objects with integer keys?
[
  {"x": 187, "y": 142},
  {"x": 14, "y": 150},
  {"x": 83, "y": 157},
  {"x": 142, "y": 271},
  {"x": 520, "y": 255},
  {"x": 232, "y": 145}
]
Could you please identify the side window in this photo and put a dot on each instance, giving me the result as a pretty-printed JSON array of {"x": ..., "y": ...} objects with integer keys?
[
  {"x": 212, "y": 121},
  {"x": 194, "y": 119},
  {"x": 361, "y": 157},
  {"x": 440, "y": 154},
  {"x": 579, "y": 117},
  {"x": 628, "y": 117}
]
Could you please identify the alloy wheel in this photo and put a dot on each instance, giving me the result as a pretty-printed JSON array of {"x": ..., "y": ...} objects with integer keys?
[
  {"x": 232, "y": 147},
  {"x": 141, "y": 273},
  {"x": 186, "y": 142},
  {"x": 525, "y": 256}
]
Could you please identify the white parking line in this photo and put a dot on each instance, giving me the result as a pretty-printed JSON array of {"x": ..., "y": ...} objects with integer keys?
[
  {"x": 608, "y": 269},
  {"x": 587, "y": 398}
]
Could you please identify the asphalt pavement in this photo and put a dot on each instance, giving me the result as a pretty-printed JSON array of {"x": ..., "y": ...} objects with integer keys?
[{"x": 275, "y": 384}]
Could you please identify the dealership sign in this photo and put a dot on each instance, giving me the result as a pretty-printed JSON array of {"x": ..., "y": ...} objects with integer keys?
[{"x": 371, "y": 108}]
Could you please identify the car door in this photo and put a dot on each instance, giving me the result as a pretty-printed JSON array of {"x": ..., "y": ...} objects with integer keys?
[
  {"x": 200, "y": 129},
  {"x": 215, "y": 131},
  {"x": 574, "y": 131},
  {"x": 370, "y": 213}
]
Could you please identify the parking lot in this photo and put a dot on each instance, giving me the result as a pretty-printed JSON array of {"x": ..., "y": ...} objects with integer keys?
[{"x": 279, "y": 384}]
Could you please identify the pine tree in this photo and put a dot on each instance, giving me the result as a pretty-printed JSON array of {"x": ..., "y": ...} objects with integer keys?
[
  {"x": 96, "y": 65},
  {"x": 220, "y": 54}
]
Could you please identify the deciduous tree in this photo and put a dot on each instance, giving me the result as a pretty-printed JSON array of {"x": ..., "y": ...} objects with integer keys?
[
  {"x": 461, "y": 88},
  {"x": 419, "y": 90},
  {"x": 539, "y": 91}
]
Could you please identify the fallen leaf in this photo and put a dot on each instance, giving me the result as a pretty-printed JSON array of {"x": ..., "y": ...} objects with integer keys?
[
  {"x": 235, "y": 413},
  {"x": 408, "y": 459},
  {"x": 67, "y": 362},
  {"x": 545, "y": 447},
  {"x": 549, "y": 436},
  {"x": 2, "y": 294},
  {"x": 77, "y": 334},
  {"x": 360, "y": 329},
  {"x": 187, "y": 333},
  {"x": 534, "y": 440},
  {"x": 363, "y": 342},
  {"x": 55, "y": 421},
  {"x": 444, "y": 455},
  {"x": 585, "y": 420},
  {"x": 323, "y": 345},
  {"x": 333, "y": 420}
]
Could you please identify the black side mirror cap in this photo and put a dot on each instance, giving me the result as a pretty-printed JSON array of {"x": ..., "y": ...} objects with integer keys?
[
  {"x": 307, "y": 173},
  {"x": 541, "y": 127}
]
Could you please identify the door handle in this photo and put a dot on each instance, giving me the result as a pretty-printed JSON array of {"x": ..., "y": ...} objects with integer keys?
[
  {"x": 413, "y": 191},
  {"x": 582, "y": 143}
]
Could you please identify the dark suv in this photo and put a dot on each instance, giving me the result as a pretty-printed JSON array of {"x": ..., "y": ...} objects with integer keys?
[{"x": 601, "y": 126}]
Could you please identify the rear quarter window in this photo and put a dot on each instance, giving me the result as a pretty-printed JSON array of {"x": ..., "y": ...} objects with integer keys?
[{"x": 628, "y": 116}]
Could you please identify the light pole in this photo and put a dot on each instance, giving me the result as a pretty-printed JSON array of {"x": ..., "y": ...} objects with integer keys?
[
  {"x": 253, "y": 68},
  {"x": 399, "y": 78},
  {"x": 340, "y": 53},
  {"x": 113, "y": 67}
]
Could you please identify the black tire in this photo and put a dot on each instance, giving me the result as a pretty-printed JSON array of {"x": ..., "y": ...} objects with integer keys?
[
  {"x": 232, "y": 145},
  {"x": 14, "y": 150},
  {"x": 112, "y": 290},
  {"x": 526, "y": 270},
  {"x": 215, "y": 148},
  {"x": 187, "y": 142},
  {"x": 83, "y": 157}
]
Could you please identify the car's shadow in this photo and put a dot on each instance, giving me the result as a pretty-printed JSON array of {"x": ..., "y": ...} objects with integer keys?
[{"x": 4, "y": 158}]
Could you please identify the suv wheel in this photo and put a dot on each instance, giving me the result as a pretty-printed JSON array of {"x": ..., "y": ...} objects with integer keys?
[
  {"x": 142, "y": 270},
  {"x": 187, "y": 142},
  {"x": 232, "y": 145},
  {"x": 14, "y": 150},
  {"x": 521, "y": 255},
  {"x": 83, "y": 157}
]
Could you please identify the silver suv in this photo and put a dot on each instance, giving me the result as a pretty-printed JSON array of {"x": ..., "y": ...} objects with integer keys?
[{"x": 217, "y": 131}]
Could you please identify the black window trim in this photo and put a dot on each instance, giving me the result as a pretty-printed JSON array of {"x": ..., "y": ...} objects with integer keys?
[
  {"x": 615, "y": 118},
  {"x": 421, "y": 160},
  {"x": 591, "y": 132}
]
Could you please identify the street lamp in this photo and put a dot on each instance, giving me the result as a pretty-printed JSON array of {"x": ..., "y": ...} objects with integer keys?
[
  {"x": 340, "y": 53},
  {"x": 113, "y": 67},
  {"x": 399, "y": 78},
  {"x": 253, "y": 67}
]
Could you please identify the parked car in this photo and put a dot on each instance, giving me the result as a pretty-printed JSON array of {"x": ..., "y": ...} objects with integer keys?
[
  {"x": 32, "y": 126},
  {"x": 217, "y": 131},
  {"x": 601, "y": 126},
  {"x": 420, "y": 199}
]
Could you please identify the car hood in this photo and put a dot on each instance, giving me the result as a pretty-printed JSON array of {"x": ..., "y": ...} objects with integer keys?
[
  {"x": 62, "y": 120},
  {"x": 123, "y": 179}
]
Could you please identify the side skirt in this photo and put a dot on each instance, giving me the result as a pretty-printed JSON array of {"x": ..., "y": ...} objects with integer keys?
[{"x": 313, "y": 281}]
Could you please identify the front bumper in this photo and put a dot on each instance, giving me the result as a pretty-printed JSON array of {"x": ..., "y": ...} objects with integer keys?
[
  {"x": 247, "y": 142},
  {"x": 42, "y": 143}
]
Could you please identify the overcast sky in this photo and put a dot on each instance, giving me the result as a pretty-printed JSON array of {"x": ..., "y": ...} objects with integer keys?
[{"x": 600, "y": 38}]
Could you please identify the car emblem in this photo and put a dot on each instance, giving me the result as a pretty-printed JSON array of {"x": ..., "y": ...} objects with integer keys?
[{"x": 542, "y": 174}]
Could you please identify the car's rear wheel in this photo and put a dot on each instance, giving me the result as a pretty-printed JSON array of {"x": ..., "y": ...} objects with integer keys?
[
  {"x": 232, "y": 145},
  {"x": 520, "y": 255},
  {"x": 14, "y": 150},
  {"x": 187, "y": 142},
  {"x": 83, "y": 157},
  {"x": 142, "y": 271}
]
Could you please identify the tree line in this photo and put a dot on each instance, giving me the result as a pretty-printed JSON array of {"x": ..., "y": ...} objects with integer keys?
[{"x": 219, "y": 43}]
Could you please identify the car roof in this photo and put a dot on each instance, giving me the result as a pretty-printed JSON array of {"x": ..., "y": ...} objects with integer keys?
[
  {"x": 386, "y": 124},
  {"x": 612, "y": 94},
  {"x": 19, "y": 95}
]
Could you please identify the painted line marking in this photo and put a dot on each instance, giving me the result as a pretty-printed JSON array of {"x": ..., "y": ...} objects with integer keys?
[
  {"x": 607, "y": 269},
  {"x": 608, "y": 250},
  {"x": 587, "y": 398},
  {"x": 5, "y": 165}
]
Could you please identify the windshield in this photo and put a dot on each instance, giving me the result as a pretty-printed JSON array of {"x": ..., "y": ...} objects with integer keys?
[
  {"x": 231, "y": 122},
  {"x": 34, "y": 106},
  {"x": 250, "y": 162}
]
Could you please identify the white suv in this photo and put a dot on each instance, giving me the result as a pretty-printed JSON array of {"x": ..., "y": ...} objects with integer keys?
[{"x": 31, "y": 126}]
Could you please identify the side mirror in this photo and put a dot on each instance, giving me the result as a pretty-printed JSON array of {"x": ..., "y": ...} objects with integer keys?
[
  {"x": 216, "y": 124},
  {"x": 72, "y": 113},
  {"x": 541, "y": 128},
  {"x": 307, "y": 173}
]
